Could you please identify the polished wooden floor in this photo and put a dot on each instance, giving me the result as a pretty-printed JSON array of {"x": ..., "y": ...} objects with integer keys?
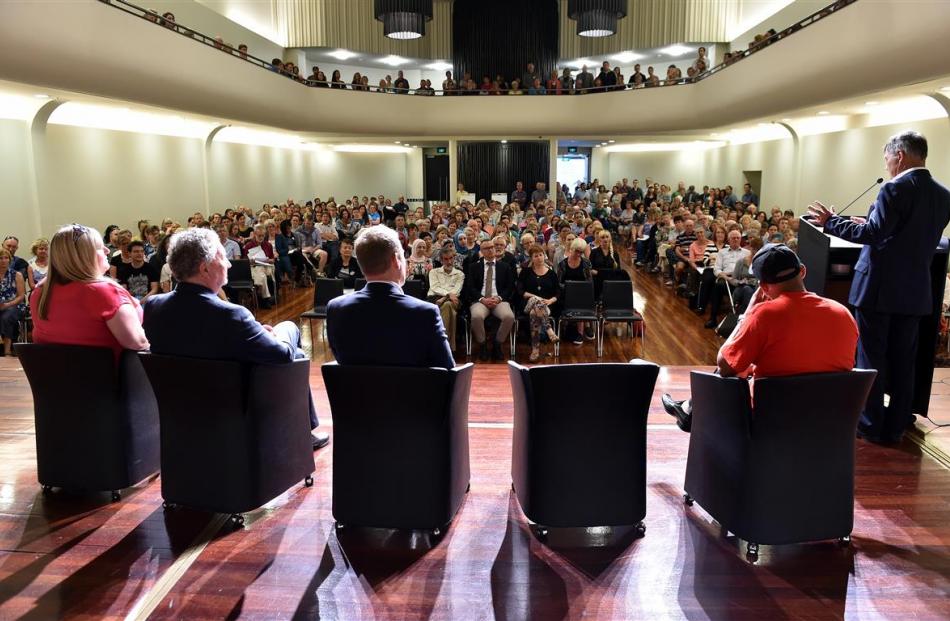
[{"x": 67, "y": 556}]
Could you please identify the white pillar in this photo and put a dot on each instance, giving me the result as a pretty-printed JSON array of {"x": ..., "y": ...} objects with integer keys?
[
  {"x": 453, "y": 170},
  {"x": 552, "y": 168}
]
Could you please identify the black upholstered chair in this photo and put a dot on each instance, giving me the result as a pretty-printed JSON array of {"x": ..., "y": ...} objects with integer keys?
[
  {"x": 324, "y": 290},
  {"x": 416, "y": 288},
  {"x": 578, "y": 458},
  {"x": 579, "y": 305},
  {"x": 234, "y": 435},
  {"x": 400, "y": 446},
  {"x": 240, "y": 280},
  {"x": 617, "y": 300},
  {"x": 96, "y": 420},
  {"x": 783, "y": 471}
]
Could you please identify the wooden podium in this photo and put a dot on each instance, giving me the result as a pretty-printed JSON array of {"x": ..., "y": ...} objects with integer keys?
[{"x": 830, "y": 262}]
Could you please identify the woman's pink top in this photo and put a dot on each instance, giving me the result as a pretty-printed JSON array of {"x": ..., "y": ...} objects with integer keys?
[{"x": 78, "y": 312}]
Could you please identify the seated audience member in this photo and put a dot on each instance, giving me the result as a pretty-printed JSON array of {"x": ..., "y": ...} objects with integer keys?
[
  {"x": 412, "y": 334},
  {"x": 724, "y": 271},
  {"x": 490, "y": 286},
  {"x": 679, "y": 255},
  {"x": 121, "y": 256},
  {"x": 786, "y": 330},
  {"x": 12, "y": 301},
  {"x": 502, "y": 254},
  {"x": 329, "y": 237},
  {"x": 192, "y": 321},
  {"x": 232, "y": 250},
  {"x": 77, "y": 305},
  {"x": 576, "y": 267},
  {"x": 445, "y": 289},
  {"x": 538, "y": 286},
  {"x": 261, "y": 254},
  {"x": 419, "y": 261},
  {"x": 12, "y": 244},
  {"x": 38, "y": 267},
  {"x": 137, "y": 276},
  {"x": 289, "y": 262},
  {"x": 345, "y": 267},
  {"x": 310, "y": 243}
]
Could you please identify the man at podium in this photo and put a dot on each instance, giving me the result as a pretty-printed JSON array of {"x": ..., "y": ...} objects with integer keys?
[{"x": 891, "y": 289}]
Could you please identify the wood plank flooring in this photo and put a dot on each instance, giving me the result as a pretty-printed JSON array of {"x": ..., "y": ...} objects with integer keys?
[{"x": 66, "y": 556}]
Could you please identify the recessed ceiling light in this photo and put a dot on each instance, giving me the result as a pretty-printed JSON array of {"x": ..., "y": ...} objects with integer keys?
[
  {"x": 504, "y": 142},
  {"x": 823, "y": 113},
  {"x": 393, "y": 60},
  {"x": 440, "y": 65},
  {"x": 676, "y": 50},
  {"x": 611, "y": 141},
  {"x": 714, "y": 134},
  {"x": 397, "y": 142},
  {"x": 626, "y": 57},
  {"x": 945, "y": 89},
  {"x": 764, "y": 124},
  {"x": 870, "y": 103},
  {"x": 41, "y": 96},
  {"x": 581, "y": 62},
  {"x": 342, "y": 54}
]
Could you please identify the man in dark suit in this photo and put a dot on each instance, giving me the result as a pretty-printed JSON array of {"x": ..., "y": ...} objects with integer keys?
[
  {"x": 192, "y": 321},
  {"x": 490, "y": 287},
  {"x": 379, "y": 324},
  {"x": 891, "y": 288}
]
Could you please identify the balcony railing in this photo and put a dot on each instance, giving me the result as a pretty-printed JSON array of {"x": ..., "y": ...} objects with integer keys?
[{"x": 163, "y": 21}]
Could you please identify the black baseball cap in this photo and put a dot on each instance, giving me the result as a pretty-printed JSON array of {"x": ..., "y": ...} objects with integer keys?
[{"x": 775, "y": 263}]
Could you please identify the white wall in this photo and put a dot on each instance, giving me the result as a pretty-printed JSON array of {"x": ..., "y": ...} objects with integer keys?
[
  {"x": 16, "y": 195},
  {"x": 207, "y": 21},
  {"x": 780, "y": 20},
  {"x": 834, "y": 167},
  {"x": 101, "y": 177}
]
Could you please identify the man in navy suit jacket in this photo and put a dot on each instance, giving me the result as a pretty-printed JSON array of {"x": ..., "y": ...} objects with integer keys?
[
  {"x": 192, "y": 321},
  {"x": 891, "y": 289},
  {"x": 380, "y": 325}
]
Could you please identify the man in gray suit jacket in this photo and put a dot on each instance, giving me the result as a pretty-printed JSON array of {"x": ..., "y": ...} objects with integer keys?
[{"x": 891, "y": 288}]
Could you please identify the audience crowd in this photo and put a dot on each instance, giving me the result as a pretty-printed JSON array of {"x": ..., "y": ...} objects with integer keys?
[{"x": 699, "y": 240}]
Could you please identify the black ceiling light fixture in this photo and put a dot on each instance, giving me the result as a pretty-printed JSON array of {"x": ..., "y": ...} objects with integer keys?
[
  {"x": 596, "y": 18},
  {"x": 403, "y": 19}
]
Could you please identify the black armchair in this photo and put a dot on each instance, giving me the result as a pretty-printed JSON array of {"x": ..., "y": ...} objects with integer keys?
[
  {"x": 96, "y": 420},
  {"x": 579, "y": 457},
  {"x": 240, "y": 280},
  {"x": 579, "y": 305},
  {"x": 233, "y": 447},
  {"x": 617, "y": 299},
  {"x": 398, "y": 463},
  {"x": 783, "y": 471}
]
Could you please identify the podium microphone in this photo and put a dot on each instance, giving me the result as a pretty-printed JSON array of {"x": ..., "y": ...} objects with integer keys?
[{"x": 879, "y": 181}]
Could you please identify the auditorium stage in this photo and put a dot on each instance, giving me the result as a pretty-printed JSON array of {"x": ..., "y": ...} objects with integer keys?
[{"x": 64, "y": 556}]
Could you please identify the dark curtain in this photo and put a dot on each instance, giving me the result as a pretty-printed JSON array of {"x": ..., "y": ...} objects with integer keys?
[
  {"x": 502, "y": 36},
  {"x": 486, "y": 167}
]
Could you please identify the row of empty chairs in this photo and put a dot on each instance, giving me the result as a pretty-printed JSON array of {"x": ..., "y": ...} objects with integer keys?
[
  {"x": 781, "y": 471},
  {"x": 579, "y": 304}
]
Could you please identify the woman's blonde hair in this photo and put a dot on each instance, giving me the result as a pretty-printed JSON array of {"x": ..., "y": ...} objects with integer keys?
[
  {"x": 579, "y": 244},
  {"x": 72, "y": 258},
  {"x": 38, "y": 244}
]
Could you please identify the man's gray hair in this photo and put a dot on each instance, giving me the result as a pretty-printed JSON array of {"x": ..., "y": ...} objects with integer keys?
[
  {"x": 910, "y": 142},
  {"x": 189, "y": 249}
]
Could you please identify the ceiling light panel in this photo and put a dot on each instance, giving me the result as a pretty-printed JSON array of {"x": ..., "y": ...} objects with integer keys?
[
  {"x": 393, "y": 61},
  {"x": 627, "y": 57},
  {"x": 440, "y": 65},
  {"x": 124, "y": 119},
  {"x": 676, "y": 50},
  {"x": 342, "y": 54},
  {"x": 370, "y": 148}
]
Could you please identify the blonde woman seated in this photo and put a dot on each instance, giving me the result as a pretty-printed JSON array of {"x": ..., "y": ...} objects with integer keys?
[
  {"x": 539, "y": 287},
  {"x": 76, "y": 305}
]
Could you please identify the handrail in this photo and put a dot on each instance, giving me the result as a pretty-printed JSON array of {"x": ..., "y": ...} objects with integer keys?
[{"x": 159, "y": 20}]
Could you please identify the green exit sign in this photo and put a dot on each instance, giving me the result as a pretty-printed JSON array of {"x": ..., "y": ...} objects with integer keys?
[{"x": 441, "y": 150}]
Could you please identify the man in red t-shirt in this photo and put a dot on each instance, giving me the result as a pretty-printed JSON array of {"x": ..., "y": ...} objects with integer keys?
[{"x": 785, "y": 330}]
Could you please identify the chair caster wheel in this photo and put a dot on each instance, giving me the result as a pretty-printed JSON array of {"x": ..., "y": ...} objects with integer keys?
[
  {"x": 844, "y": 542},
  {"x": 752, "y": 552},
  {"x": 541, "y": 534},
  {"x": 339, "y": 526},
  {"x": 116, "y": 496},
  {"x": 237, "y": 519},
  {"x": 641, "y": 529},
  {"x": 47, "y": 489},
  {"x": 436, "y": 532},
  {"x": 468, "y": 488},
  {"x": 688, "y": 500},
  {"x": 308, "y": 482},
  {"x": 169, "y": 506}
]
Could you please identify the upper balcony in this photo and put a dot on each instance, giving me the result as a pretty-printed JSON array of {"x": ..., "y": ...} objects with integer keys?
[{"x": 91, "y": 47}]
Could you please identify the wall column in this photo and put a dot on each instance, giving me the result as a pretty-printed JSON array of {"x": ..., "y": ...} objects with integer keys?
[
  {"x": 453, "y": 169},
  {"x": 797, "y": 172},
  {"x": 552, "y": 168},
  {"x": 205, "y": 175},
  {"x": 37, "y": 161}
]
